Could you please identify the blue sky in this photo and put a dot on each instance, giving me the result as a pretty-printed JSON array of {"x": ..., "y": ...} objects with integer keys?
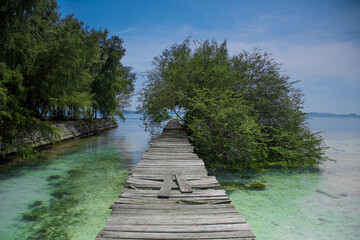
[{"x": 318, "y": 42}]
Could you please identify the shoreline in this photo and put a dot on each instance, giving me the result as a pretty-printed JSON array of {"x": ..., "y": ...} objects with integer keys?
[{"x": 67, "y": 130}]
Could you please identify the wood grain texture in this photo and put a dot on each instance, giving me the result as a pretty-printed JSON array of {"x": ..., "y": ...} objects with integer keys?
[
  {"x": 183, "y": 183},
  {"x": 164, "y": 192},
  {"x": 170, "y": 196}
]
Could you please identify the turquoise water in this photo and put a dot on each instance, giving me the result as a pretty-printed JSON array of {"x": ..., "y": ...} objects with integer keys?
[
  {"x": 65, "y": 193},
  {"x": 319, "y": 204}
]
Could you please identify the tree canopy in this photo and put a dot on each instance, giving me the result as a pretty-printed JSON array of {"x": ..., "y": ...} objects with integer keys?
[
  {"x": 241, "y": 111},
  {"x": 54, "y": 68}
]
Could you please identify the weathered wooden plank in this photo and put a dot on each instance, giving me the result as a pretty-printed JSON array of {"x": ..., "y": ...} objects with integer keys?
[
  {"x": 154, "y": 220},
  {"x": 179, "y": 229},
  {"x": 183, "y": 184},
  {"x": 161, "y": 178},
  {"x": 198, "y": 171},
  {"x": 173, "y": 144},
  {"x": 191, "y": 217},
  {"x": 185, "y": 198},
  {"x": 161, "y": 169},
  {"x": 169, "y": 150},
  {"x": 205, "y": 192},
  {"x": 157, "y": 175},
  {"x": 233, "y": 238},
  {"x": 175, "y": 207},
  {"x": 141, "y": 183},
  {"x": 183, "y": 148},
  {"x": 170, "y": 158},
  {"x": 154, "y": 235},
  {"x": 173, "y": 140},
  {"x": 169, "y": 144},
  {"x": 229, "y": 238},
  {"x": 219, "y": 214},
  {"x": 173, "y": 125},
  {"x": 170, "y": 154},
  {"x": 192, "y": 212},
  {"x": 169, "y": 201},
  {"x": 172, "y": 163},
  {"x": 178, "y": 136},
  {"x": 166, "y": 186},
  {"x": 175, "y": 193}
]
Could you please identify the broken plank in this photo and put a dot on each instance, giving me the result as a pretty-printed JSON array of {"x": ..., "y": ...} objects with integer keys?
[
  {"x": 166, "y": 186},
  {"x": 183, "y": 184}
]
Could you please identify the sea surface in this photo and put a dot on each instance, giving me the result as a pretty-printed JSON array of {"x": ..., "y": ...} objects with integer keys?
[{"x": 66, "y": 191}]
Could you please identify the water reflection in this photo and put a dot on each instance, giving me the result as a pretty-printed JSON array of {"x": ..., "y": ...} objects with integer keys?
[
  {"x": 69, "y": 188},
  {"x": 65, "y": 193}
]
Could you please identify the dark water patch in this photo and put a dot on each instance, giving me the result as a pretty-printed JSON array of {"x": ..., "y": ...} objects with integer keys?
[
  {"x": 59, "y": 194},
  {"x": 326, "y": 194},
  {"x": 32, "y": 216},
  {"x": 36, "y": 203},
  {"x": 232, "y": 186},
  {"x": 53, "y": 177}
]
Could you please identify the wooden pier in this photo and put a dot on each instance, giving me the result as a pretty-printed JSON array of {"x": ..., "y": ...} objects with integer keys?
[{"x": 170, "y": 196}]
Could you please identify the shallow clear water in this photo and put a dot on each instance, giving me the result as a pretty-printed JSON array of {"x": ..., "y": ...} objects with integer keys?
[
  {"x": 66, "y": 192},
  {"x": 321, "y": 204},
  {"x": 77, "y": 181}
]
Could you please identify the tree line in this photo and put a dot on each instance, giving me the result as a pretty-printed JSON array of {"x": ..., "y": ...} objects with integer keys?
[
  {"x": 56, "y": 68},
  {"x": 241, "y": 111}
]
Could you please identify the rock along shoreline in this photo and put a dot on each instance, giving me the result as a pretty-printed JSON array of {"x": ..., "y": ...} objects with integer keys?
[{"x": 67, "y": 130}]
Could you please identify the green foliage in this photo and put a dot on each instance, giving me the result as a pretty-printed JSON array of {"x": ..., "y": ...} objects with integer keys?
[
  {"x": 241, "y": 111},
  {"x": 55, "y": 68},
  {"x": 113, "y": 82},
  {"x": 223, "y": 130},
  {"x": 26, "y": 152}
]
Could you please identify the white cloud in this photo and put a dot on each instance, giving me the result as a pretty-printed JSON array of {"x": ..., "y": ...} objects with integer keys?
[
  {"x": 336, "y": 60},
  {"x": 127, "y": 30},
  {"x": 325, "y": 69}
]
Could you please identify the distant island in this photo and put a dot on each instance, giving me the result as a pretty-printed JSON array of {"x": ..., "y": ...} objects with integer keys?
[{"x": 316, "y": 114}]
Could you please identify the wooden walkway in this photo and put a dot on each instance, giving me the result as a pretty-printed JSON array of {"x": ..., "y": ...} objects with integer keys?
[{"x": 170, "y": 196}]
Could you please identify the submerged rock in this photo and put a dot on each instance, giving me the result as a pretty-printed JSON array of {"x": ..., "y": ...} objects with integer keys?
[
  {"x": 36, "y": 204},
  {"x": 32, "y": 216},
  {"x": 53, "y": 177},
  {"x": 255, "y": 186}
]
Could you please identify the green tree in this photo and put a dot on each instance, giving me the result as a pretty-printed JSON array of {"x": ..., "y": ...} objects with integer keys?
[
  {"x": 55, "y": 68},
  {"x": 59, "y": 85},
  {"x": 20, "y": 30},
  {"x": 241, "y": 111},
  {"x": 114, "y": 82},
  {"x": 224, "y": 131}
]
